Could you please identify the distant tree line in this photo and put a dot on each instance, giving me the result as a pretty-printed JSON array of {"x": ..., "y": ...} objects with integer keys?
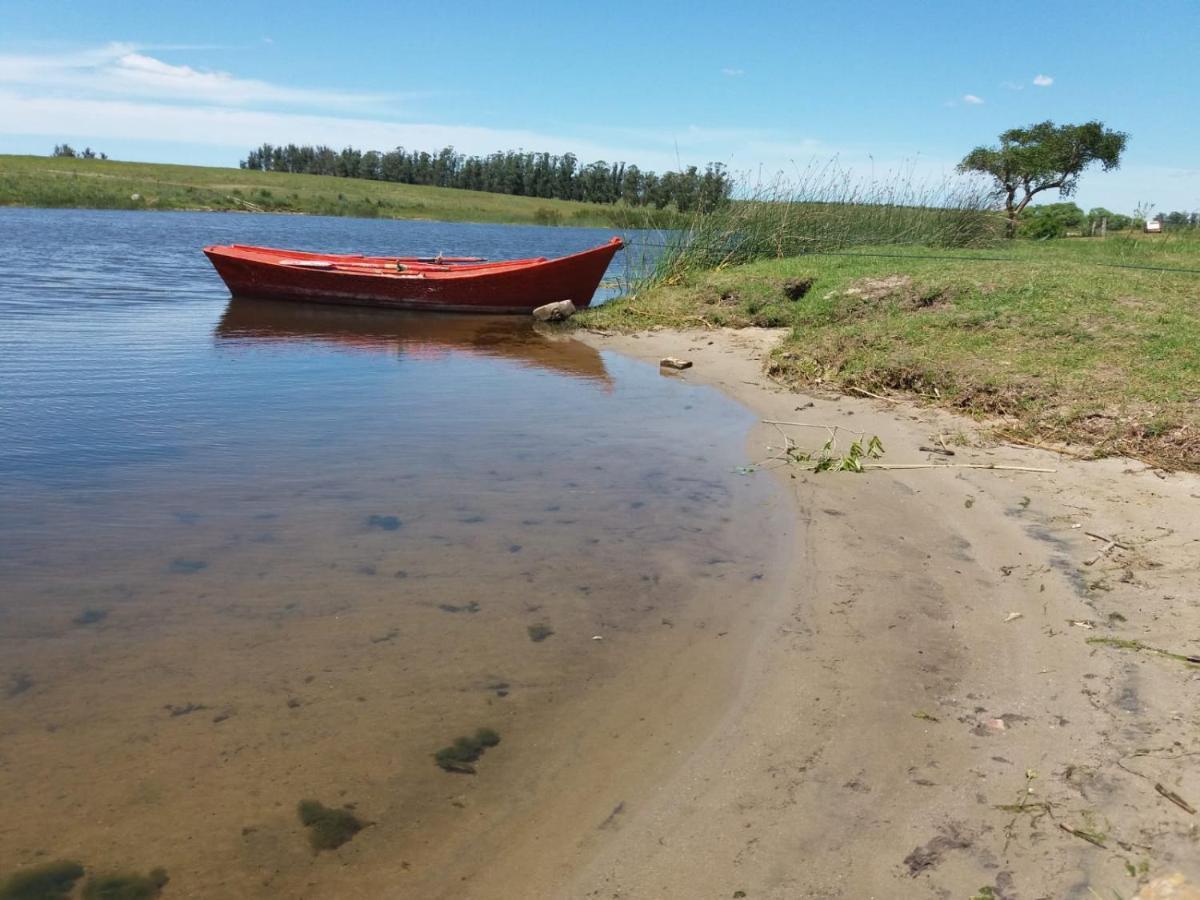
[
  {"x": 1060, "y": 219},
  {"x": 1179, "y": 220},
  {"x": 508, "y": 172},
  {"x": 68, "y": 151}
]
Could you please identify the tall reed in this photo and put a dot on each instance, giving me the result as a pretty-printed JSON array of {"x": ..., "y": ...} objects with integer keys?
[{"x": 825, "y": 208}]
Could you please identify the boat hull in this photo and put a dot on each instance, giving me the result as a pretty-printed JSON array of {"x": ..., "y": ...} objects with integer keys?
[{"x": 500, "y": 287}]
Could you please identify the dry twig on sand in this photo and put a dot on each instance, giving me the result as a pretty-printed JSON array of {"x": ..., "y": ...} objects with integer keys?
[
  {"x": 1096, "y": 839},
  {"x": 1176, "y": 799}
]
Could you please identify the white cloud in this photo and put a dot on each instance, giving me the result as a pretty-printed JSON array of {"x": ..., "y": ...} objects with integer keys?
[
  {"x": 753, "y": 154},
  {"x": 972, "y": 99},
  {"x": 1012, "y": 86},
  {"x": 129, "y": 95},
  {"x": 240, "y": 129},
  {"x": 121, "y": 70},
  {"x": 733, "y": 73},
  {"x": 1043, "y": 81}
]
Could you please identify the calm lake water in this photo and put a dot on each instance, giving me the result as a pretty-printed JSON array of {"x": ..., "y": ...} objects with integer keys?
[{"x": 255, "y": 552}]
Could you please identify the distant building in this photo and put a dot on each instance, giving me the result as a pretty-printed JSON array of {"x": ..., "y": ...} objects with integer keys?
[{"x": 1153, "y": 226}]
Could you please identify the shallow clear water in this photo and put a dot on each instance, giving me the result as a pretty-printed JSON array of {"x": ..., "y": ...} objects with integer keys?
[{"x": 253, "y": 552}]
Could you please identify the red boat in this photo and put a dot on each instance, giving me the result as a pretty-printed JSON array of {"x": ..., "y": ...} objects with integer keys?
[{"x": 458, "y": 284}]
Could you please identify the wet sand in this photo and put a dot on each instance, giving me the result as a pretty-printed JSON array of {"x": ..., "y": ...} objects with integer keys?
[{"x": 923, "y": 714}]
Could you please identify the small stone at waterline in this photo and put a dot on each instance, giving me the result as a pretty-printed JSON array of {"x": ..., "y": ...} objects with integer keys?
[
  {"x": 672, "y": 362},
  {"x": 555, "y": 312}
]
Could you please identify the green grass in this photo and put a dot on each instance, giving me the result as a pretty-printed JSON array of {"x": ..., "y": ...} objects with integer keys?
[
  {"x": 1045, "y": 340},
  {"x": 108, "y": 184},
  {"x": 826, "y": 208}
]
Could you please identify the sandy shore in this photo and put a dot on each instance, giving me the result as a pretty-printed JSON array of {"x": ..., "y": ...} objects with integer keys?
[{"x": 921, "y": 713}]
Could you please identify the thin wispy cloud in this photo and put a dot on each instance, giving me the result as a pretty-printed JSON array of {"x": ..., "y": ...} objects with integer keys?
[
  {"x": 239, "y": 128},
  {"x": 733, "y": 73},
  {"x": 148, "y": 95},
  {"x": 1043, "y": 81},
  {"x": 1012, "y": 85},
  {"x": 972, "y": 100},
  {"x": 127, "y": 70}
]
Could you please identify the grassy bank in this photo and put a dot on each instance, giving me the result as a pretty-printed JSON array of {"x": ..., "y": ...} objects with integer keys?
[
  {"x": 1049, "y": 341},
  {"x": 108, "y": 184}
]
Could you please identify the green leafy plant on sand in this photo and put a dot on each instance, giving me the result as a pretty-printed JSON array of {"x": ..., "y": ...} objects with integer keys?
[
  {"x": 830, "y": 457},
  {"x": 465, "y": 751},
  {"x": 126, "y": 886},
  {"x": 52, "y": 881},
  {"x": 328, "y": 828}
]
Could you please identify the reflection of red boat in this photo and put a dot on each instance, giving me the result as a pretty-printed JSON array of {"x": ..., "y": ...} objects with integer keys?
[
  {"x": 451, "y": 285},
  {"x": 249, "y": 322}
]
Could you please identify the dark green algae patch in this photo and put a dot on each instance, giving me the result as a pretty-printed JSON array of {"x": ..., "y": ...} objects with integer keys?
[
  {"x": 126, "y": 886},
  {"x": 56, "y": 880},
  {"x": 52, "y": 881},
  {"x": 465, "y": 751},
  {"x": 328, "y": 827}
]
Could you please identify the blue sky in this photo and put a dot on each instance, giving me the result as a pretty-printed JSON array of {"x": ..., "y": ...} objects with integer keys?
[{"x": 759, "y": 86}]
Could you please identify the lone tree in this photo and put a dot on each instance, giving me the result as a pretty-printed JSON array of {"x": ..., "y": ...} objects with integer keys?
[{"x": 1044, "y": 156}]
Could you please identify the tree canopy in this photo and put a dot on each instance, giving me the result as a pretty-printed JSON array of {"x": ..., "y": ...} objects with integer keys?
[
  {"x": 66, "y": 150},
  {"x": 508, "y": 172},
  {"x": 1051, "y": 220},
  {"x": 1044, "y": 157}
]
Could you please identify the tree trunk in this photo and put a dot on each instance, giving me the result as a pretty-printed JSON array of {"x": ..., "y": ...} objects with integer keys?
[{"x": 1010, "y": 207}]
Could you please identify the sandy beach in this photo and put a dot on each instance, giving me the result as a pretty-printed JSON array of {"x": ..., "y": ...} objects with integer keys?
[{"x": 954, "y": 693}]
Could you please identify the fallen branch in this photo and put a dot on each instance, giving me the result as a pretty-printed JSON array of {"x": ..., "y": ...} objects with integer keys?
[
  {"x": 875, "y": 449},
  {"x": 867, "y": 393},
  {"x": 1103, "y": 552},
  {"x": 1107, "y": 540},
  {"x": 996, "y": 466},
  {"x": 246, "y": 203},
  {"x": 801, "y": 424},
  {"x": 1021, "y": 442}
]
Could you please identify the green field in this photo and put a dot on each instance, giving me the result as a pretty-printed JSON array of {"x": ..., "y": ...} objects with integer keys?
[
  {"x": 108, "y": 184},
  {"x": 1050, "y": 342}
]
